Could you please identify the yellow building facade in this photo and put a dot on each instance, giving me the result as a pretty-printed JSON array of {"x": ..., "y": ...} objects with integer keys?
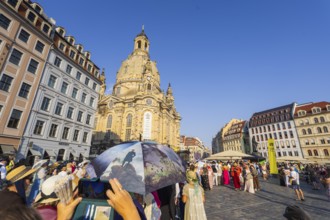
[{"x": 137, "y": 109}]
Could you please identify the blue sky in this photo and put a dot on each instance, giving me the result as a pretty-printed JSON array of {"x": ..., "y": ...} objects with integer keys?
[{"x": 224, "y": 58}]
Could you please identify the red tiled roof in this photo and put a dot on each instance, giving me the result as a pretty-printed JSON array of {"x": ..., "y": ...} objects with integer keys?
[{"x": 308, "y": 107}]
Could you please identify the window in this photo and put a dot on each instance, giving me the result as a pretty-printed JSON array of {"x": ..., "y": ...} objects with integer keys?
[
  {"x": 290, "y": 153},
  {"x": 316, "y": 120},
  {"x": 58, "y": 109},
  {"x": 74, "y": 93},
  {"x": 91, "y": 102},
  {"x": 38, "y": 127},
  {"x": 278, "y": 127},
  {"x": 296, "y": 153},
  {"x": 293, "y": 143},
  {"x": 303, "y": 131},
  {"x": 70, "y": 112},
  {"x": 45, "y": 29},
  {"x": 5, "y": 82},
  {"x": 4, "y": 22},
  {"x": 75, "y": 135},
  {"x": 322, "y": 141},
  {"x": 85, "y": 137},
  {"x": 322, "y": 119},
  {"x": 319, "y": 130},
  {"x": 310, "y": 153},
  {"x": 280, "y": 135},
  {"x": 24, "y": 36},
  {"x": 89, "y": 67},
  {"x": 38, "y": 9},
  {"x": 33, "y": 66},
  {"x": 39, "y": 47},
  {"x": 86, "y": 81},
  {"x": 325, "y": 129},
  {"x": 15, "y": 57},
  {"x": 149, "y": 87},
  {"x": 64, "y": 87},
  {"x": 285, "y": 134},
  {"x": 316, "y": 153},
  {"x": 45, "y": 104},
  {"x": 291, "y": 134},
  {"x": 24, "y": 91},
  {"x": 284, "y": 154},
  {"x": 279, "y": 154},
  {"x": 129, "y": 120},
  {"x": 61, "y": 47},
  {"x": 312, "y": 142},
  {"x": 88, "y": 119},
  {"x": 65, "y": 133},
  {"x": 12, "y": 3},
  {"x": 78, "y": 76},
  {"x": 72, "y": 54},
  {"x": 14, "y": 119},
  {"x": 1, "y": 106},
  {"x": 275, "y": 136},
  {"x": 109, "y": 121},
  {"x": 31, "y": 17},
  {"x": 79, "y": 117},
  {"x": 289, "y": 124},
  {"x": 283, "y": 125},
  {"x": 68, "y": 69},
  {"x": 273, "y": 127},
  {"x": 53, "y": 130},
  {"x": 81, "y": 61},
  {"x": 326, "y": 152},
  {"x": 306, "y": 142},
  {"x": 309, "y": 131},
  {"x": 83, "y": 98},
  {"x": 52, "y": 81},
  {"x": 94, "y": 86},
  {"x": 57, "y": 62}
]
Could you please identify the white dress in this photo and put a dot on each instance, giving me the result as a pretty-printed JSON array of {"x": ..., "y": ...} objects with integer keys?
[{"x": 194, "y": 209}]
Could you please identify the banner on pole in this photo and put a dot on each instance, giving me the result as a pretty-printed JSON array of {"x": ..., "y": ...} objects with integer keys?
[{"x": 272, "y": 157}]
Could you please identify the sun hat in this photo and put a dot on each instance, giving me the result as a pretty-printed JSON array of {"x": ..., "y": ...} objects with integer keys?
[
  {"x": 83, "y": 163},
  {"x": 47, "y": 194},
  {"x": 19, "y": 173}
]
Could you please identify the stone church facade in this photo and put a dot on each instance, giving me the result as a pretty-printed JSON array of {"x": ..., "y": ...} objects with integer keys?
[{"x": 137, "y": 109}]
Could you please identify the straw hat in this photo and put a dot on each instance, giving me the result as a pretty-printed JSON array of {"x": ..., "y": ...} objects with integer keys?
[
  {"x": 47, "y": 194},
  {"x": 19, "y": 173}
]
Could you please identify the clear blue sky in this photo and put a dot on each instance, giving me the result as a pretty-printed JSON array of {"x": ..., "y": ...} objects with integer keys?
[{"x": 224, "y": 58}]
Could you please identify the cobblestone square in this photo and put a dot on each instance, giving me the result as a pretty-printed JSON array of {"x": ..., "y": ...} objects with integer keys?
[{"x": 223, "y": 202}]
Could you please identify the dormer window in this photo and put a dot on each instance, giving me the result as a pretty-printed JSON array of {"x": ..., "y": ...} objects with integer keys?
[
  {"x": 301, "y": 113},
  {"x": 89, "y": 67},
  {"x": 72, "y": 54},
  {"x": 13, "y": 3},
  {"x": 316, "y": 110},
  {"x": 61, "y": 32},
  {"x": 81, "y": 61},
  {"x": 31, "y": 17},
  {"x": 80, "y": 49},
  {"x": 328, "y": 107},
  {"x": 38, "y": 9},
  {"x": 61, "y": 46}
]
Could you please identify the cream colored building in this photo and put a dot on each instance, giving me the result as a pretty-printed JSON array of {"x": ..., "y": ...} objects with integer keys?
[
  {"x": 137, "y": 109},
  {"x": 312, "y": 121},
  {"x": 25, "y": 40},
  {"x": 235, "y": 137},
  {"x": 195, "y": 148}
]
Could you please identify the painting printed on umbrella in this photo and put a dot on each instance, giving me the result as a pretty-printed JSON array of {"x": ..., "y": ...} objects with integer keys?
[
  {"x": 128, "y": 168},
  {"x": 162, "y": 167}
]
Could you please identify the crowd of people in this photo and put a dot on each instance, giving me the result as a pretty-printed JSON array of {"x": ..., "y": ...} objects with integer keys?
[{"x": 32, "y": 190}]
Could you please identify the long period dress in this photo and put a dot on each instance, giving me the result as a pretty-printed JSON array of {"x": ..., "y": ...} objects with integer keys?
[
  {"x": 194, "y": 208},
  {"x": 248, "y": 181},
  {"x": 225, "y": 176}
]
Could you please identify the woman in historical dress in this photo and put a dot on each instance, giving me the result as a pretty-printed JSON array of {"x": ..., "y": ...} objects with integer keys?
[
  {"x": 205, "y": 178},
  {"x": 225, "y": 175},
  {"x": 193, "y": 197},
  {"x": 247, "y": 174},
  {"x": 236, "y": 171}
]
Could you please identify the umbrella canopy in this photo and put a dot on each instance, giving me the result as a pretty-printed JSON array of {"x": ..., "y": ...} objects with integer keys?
[
  {"x": 39, "y": 164},
  {"x": 230, "y": 154},
  {"x": 140, "y": 167},
  {"x": 222, "y": 158},
  {"x": 290, "y": 158}
]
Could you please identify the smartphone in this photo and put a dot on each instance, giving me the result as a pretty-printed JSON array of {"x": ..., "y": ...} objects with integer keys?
[{"x": 93, "y": 188}]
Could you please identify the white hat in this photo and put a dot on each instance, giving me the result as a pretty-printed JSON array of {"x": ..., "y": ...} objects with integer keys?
[{"x": 47, "y": 193}]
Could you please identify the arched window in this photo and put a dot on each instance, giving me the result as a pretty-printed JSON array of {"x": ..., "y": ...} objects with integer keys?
[
  {"x": 309, "y": 131},
  {"x": 316, "y": 120},
  {"x": 129, "y": 120},
  {"x": 139, "y": 44},
  {"x": 315, "y": 153},
  {"x": 326, "y": 152},
  {"x": 304, "y": 131},
  {"x": 325, "y": 129},
  {"x": 310, "y": 153},
  {"x": 322, "y": 119},
  {"x": 319, "y": 130},
  {"x": 306, "y": 121},
  {"x": 109, "y": 121},
  {"x": 60, "y": 155},
  {"x": 145, "y": 46}
]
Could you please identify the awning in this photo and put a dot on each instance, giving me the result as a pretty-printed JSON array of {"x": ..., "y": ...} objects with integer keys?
[
  {"x": 35, "y": 152},
  {"x": 51, "y": 153},
  {"x": 8, "y": 149}
]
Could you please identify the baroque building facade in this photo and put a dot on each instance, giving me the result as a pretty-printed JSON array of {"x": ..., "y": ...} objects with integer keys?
[
  {"x": 277, "y": 124},
  {"x": 236, "y": 138},
  {"x": 312, "y": 121},
  {"x": 137, "y": 109}
]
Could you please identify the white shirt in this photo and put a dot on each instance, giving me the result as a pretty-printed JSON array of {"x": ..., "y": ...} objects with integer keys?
[
  {"x": 3, "y": 171},
  {"x": 62, "y": 174},
  {"x": 295, "y": 176}
]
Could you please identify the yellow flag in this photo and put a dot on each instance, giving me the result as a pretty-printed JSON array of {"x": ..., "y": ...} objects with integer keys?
[{"x": 272, "y": 157}]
